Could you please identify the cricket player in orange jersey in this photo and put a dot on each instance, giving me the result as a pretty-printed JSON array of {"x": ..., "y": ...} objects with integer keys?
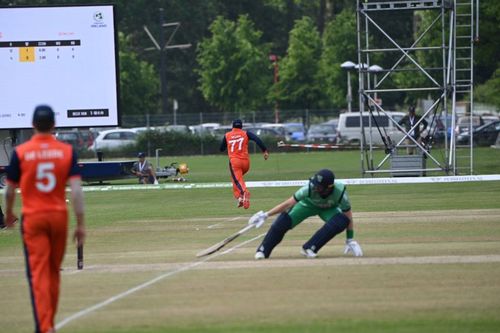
[
  {"x": 236, "y": 143},
  {"x": 41, "y": 168}
]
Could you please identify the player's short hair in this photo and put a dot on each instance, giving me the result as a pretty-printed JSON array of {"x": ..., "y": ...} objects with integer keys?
[
  {"x": 43, "y": 118},
  {"x": 237, "y": 123}
]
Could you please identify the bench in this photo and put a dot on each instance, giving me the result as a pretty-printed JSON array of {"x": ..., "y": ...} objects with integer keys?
[{"x": 407, "y": 165}]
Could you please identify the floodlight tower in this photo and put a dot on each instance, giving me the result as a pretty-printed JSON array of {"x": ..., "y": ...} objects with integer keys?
[{"x": 162, "y": 47}]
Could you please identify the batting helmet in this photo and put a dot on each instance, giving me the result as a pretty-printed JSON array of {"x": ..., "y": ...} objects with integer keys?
[{"x": 322, "y": 182}]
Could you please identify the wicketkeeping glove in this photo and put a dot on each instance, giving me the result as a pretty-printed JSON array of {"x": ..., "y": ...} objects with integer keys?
[
  {"x": 352, "y": 246},
  {"x": 258, "y": 219}
]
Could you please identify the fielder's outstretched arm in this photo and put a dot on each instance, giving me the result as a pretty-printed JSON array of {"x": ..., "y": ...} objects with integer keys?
[
  {"x": 280, "y": 208},
  {"x": 260, "y": 217}
]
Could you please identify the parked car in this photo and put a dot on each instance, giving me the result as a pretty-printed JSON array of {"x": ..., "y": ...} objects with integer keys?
[
  {"x": 322, "y": 132},
  {"x": 440, "y": 128},
  {"x": 334, "y": 121},
  {"x": 296, "y": 131},
  {"x": 221, "y": 130},
  {"x": 485, "y": 135},
  {"x": 489, "y": 118},
  {"x": 88, "y": 137},
  {"x": 278, "y": 127},
  {"x": 204, "y": 128},
  {"x": 114, "y": 138},
  {"x": 464, "y": 123},
  {"x": 73, "y": 137},
  {"x": 262, "y": 131},
  {"x": 177, "y": 128},
  {"x": 349, "y": 127},
  {"x": 290, "y": 131}
]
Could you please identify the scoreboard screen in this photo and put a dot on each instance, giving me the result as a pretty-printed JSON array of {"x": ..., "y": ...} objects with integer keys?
[{"x": 64, "y": 57}]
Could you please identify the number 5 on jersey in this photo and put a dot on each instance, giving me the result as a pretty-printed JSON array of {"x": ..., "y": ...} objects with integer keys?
[{"x": 45, "y": 178}]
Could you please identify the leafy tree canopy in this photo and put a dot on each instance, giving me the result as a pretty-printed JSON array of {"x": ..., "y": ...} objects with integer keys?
[{"x": 234, "y": 69}]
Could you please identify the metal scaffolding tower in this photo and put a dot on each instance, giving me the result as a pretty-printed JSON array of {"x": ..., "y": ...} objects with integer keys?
[{"x": 440, "y": 58}]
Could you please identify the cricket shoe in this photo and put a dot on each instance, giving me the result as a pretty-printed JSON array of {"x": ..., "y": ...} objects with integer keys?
[
  {"x": 259, "y": 255},
  {"x": 240, "y": 202},
  {"x": 246, "y": 200},
  {"x": 308, "y": 253}
]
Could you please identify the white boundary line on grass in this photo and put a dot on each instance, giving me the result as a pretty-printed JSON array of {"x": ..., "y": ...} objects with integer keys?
[
  {"x": 130, "y": 291},
  {"x": 297, "y": 183}
]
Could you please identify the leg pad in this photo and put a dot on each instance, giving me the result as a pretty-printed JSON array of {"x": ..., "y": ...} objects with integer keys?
[
  {"x": 335, "y": 226},
  {"x": 275, "y": 234}
]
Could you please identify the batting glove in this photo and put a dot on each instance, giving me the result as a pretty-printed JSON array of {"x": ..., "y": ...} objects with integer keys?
[
  {"x": 258, "y": 219},
  {"x": 352, "y": 246}
]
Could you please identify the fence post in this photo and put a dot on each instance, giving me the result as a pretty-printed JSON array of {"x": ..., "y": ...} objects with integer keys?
[
  {"x": 149, "y": 138},
  {"x": 201, "y": 134}
]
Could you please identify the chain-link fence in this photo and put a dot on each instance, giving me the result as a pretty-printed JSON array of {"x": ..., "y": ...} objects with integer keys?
[
  {"x": 183, "y": 134},
  {"x": 307, "y": 117}
]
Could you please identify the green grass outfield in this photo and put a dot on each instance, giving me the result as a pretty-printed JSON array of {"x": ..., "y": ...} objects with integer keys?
[
  {"x": 431, "y": 264},
  {"x": 301, "y": 165}
]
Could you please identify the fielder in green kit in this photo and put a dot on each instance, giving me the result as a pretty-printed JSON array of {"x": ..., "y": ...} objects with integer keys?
[{"x": 323, "y": 197}]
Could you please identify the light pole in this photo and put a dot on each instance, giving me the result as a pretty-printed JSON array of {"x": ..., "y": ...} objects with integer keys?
[
  {"x": 375, "y": 69},
  {"x": 348, "y": 66},
  {"x": 274, "y": 59},
  {"x": 163, "y": 46}
]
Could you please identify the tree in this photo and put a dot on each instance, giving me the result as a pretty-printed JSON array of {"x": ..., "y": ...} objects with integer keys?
[
  {"x": 488, "y": 92},
  {"x": 139, "y": 83},
  {"x": 233, "y": 66},
  {"x": 298, "y": 86},
  {"x": 339, "y": 45},
  {"x": 486, "y": 51}
]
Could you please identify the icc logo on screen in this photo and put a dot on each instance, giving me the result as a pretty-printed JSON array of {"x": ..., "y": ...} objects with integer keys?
[{"x": 98, "y": 16}]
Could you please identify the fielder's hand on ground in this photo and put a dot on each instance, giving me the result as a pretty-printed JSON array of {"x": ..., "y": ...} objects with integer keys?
[
  {"x": 258, "y": 219},
  {"x": 352, "y": 246}
]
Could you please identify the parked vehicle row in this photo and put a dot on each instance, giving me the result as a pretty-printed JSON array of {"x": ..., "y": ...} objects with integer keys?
[
  {"x": 485, "y": 135},
  {"x": 345, "y": 129}
]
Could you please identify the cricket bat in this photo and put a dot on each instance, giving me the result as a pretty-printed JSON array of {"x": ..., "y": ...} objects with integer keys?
[
  {"x": 79, "y": 257},
  {"x": 224, "y": 242}
]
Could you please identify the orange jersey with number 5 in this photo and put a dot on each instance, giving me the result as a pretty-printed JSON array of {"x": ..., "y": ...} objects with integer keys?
[
  {"x": 46, "y": 165},
  {"x": 237, "y": 144}
]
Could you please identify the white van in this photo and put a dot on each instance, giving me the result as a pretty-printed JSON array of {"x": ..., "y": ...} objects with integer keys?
[{"x": 350, "y": 130}]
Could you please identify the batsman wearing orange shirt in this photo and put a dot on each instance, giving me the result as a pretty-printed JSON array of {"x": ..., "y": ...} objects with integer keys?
[
  {"x": 41, "y": 168},
  {"x": 236, "y": 143}
]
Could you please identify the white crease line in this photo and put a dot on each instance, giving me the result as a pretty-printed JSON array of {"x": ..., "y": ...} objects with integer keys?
[
  {"x": 241, "y": 244},
  {"x": 110, "y": 300},
  {"x": 220, "y": 223}
]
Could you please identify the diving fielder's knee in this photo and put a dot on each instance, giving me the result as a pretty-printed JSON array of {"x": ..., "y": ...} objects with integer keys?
[
  {"x": 330, "y": 229},
  {"x": 275, "y": 234}
]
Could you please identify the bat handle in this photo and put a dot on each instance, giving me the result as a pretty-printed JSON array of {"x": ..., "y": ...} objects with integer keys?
[{"x": 79, "y": 260}]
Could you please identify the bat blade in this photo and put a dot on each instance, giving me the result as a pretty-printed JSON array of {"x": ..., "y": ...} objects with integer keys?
[{"x": 216, "y": 247}]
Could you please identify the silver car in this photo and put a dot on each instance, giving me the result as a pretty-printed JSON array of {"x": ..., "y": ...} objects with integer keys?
[
  {"x": 322, "y": 133},
  {"x": 113, "y": 139}
]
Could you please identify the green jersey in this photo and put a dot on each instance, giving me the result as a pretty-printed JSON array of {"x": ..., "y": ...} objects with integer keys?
[{"x": 306, "y": 197}]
